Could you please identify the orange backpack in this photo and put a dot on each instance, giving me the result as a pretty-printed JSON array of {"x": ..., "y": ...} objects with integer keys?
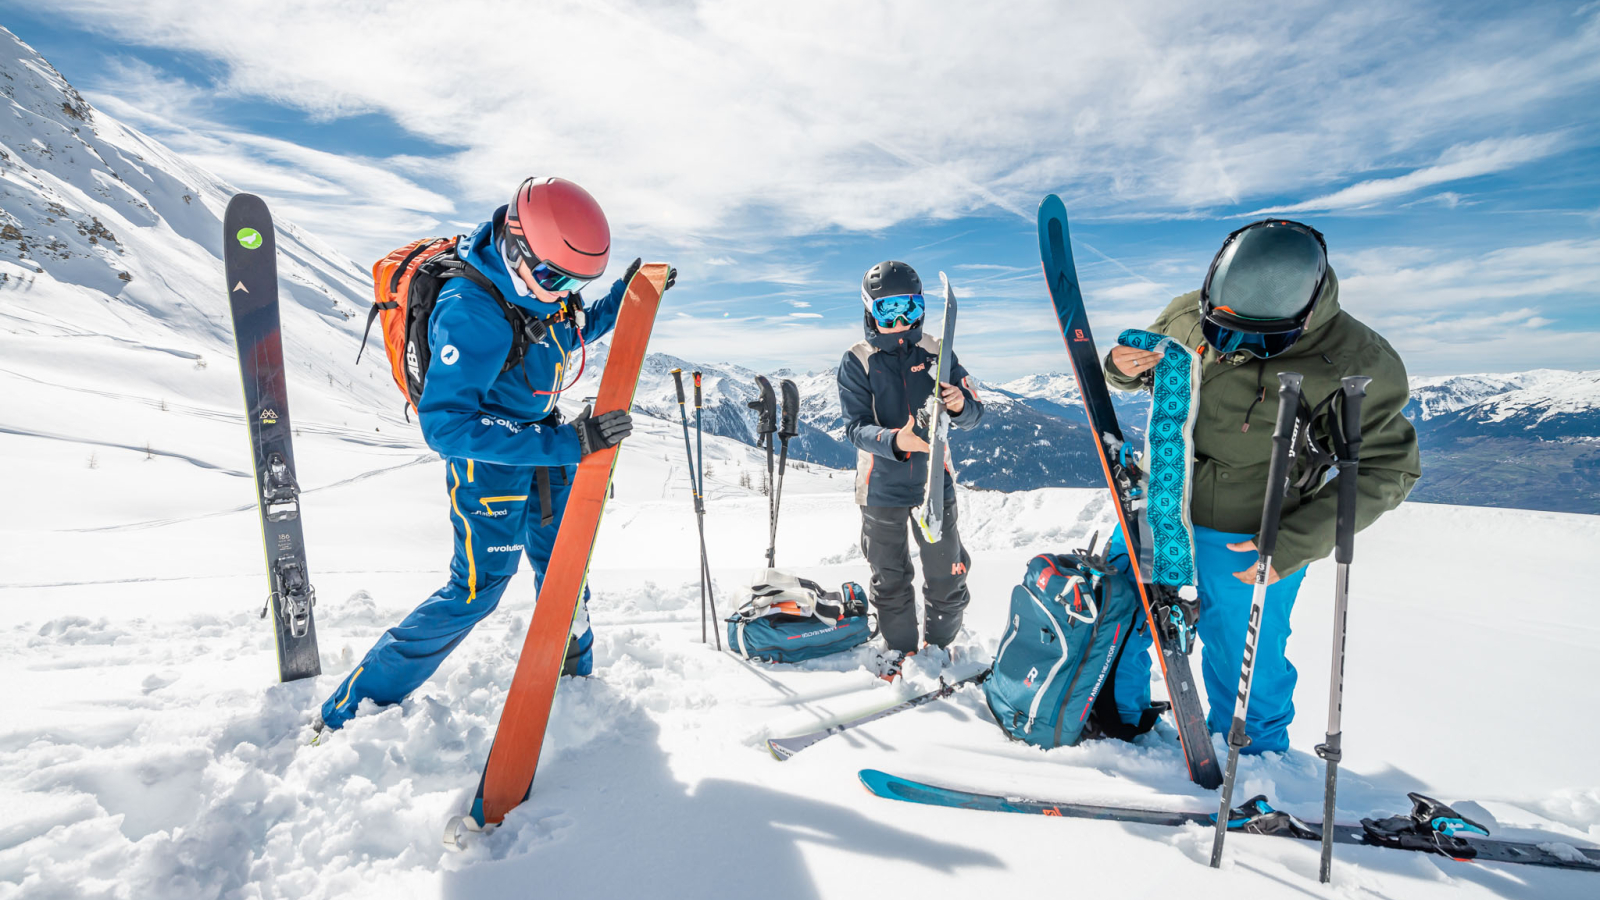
[{"x": 406, "y": 285}]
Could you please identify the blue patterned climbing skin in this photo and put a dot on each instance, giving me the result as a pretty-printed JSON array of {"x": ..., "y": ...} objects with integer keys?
[{"x": 1169, "y": 453}]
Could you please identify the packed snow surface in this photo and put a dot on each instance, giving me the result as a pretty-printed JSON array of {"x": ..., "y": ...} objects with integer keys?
[{"x": 146, "y": 751}]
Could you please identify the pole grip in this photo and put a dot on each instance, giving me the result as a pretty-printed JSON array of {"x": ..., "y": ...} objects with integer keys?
[
  {"x": 766, "y": 408},
  {"x": 1354, "y": 391},
  {"x": 1283, "y": 437},
  {"x": 696, "y": 390},
  {"x": 791, "y": 409},
  {"x": 677, "y": 380}
]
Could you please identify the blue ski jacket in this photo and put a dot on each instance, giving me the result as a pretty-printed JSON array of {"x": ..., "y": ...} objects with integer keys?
[
  {"x": 469, "y": 408},
  {"x": 884, "y": 381}
]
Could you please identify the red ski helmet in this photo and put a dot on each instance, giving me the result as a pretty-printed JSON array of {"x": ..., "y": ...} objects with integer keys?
[{"x": 561, "y": 232}]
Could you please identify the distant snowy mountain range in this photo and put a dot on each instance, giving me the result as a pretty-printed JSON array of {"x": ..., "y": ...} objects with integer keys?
[
  {"x": 1528, "y": 440},
  {"x": 111, "y": 275}
]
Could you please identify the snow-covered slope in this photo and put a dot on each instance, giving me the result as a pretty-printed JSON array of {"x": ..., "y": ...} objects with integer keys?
[{"x": 111, "y": 276}]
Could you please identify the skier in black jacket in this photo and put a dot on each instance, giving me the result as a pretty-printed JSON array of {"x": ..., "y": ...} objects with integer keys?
[{"x": 883, "y": 382}]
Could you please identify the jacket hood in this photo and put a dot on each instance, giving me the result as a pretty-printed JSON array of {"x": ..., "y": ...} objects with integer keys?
[
  {"x": 480, "y": 250},
  {"x": 890, "y": 343},
  {"x": 1327, "y": 303}
]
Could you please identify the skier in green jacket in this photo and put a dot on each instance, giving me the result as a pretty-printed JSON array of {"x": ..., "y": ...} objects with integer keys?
[{"x": 1270, "y": 304}]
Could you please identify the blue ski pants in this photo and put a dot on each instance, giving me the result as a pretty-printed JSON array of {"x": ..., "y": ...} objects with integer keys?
[
  {"x": 1224, "y": 616},
  {"x": 496, "y": 512}
]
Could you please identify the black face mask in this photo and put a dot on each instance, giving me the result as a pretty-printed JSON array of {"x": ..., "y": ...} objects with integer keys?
[{"x": 890, "y": 343}]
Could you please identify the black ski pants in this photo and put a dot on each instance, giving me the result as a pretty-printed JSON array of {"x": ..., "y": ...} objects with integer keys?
[{"x": 944, "y": 576}]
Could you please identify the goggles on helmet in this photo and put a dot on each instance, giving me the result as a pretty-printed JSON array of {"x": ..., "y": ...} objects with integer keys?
[
  {"x": 888, "y": 311},
  {"x": 1227, "y": 340}
]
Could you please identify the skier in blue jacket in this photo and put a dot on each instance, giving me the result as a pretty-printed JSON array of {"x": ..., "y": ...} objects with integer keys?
[
  {"x": 509, "y": 458},
  {"x": 883, "y": 381}
]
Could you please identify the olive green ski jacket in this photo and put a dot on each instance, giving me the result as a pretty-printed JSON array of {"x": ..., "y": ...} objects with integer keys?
[{"x": 1238, "y": 406}]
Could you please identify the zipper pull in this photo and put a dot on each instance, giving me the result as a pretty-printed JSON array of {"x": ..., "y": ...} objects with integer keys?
[{"x": 1261, "y": 394}]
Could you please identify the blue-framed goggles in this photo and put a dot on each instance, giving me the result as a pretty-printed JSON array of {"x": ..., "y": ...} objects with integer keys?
[
  {"x": 888, "y": 311},
  {"x": 1229, "y": 340}
]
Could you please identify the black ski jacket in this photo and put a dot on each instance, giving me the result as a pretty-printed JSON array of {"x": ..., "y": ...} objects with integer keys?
[{"x": 884, "y": 381}]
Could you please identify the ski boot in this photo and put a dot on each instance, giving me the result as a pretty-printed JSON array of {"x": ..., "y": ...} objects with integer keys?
[
  {"x": 889, "y": 663},
  {"x": 580, "y": 655}
]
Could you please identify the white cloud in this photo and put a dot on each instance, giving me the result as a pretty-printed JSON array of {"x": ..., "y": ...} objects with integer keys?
[
  {"x": 1455, "y": 164},
  {"x": 720, "y": 117},
  {"x": 365, "y": 206},
  {"x": 1446, "y": 313}
]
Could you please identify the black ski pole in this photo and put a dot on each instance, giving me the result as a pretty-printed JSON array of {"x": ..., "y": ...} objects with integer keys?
[
  {"x": 789, "y": 428},
  {"x": 1284, "y": 436},
  {"x": 766, "y": 407},
  {"x": 694, "y": 487},
  {"x": 1354, "y": 391},
  {"x": 707, "y": 586}
]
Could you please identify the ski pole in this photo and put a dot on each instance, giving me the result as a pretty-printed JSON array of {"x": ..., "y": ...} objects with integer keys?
[
  {"x": 790, "y": 428},
  {"x": 766, "y": 407},
  {"x": 707, "y": 586},
  {"x": 694, "y": 487},
  {"x": 1284, "y": 436},
  {"x": 1354, "y": 391}
]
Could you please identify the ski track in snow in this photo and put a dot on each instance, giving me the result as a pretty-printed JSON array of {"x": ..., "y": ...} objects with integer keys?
[{"x": 145, "y": 751}]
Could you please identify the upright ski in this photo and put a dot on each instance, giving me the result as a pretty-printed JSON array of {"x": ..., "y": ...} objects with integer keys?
[
  {"x": 514, "y": 755},
  {"x": 249, "y": 256},
  {"x": 1166, "y": 613},
  {"x": 1430, "y": 827},
  {"x": 930, "y": 518}
]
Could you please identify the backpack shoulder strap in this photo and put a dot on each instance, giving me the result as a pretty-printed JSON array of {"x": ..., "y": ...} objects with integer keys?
[{"x": 451, "y": 265}]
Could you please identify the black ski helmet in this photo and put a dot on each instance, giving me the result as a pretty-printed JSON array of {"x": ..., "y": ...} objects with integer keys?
[
  {"x": 1263, "y": 286},
  {"x": 889, "y": 279}
]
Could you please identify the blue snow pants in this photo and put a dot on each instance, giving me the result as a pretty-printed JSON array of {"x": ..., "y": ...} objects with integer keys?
[
  {"x": 1224, "y": 616},
  {"x": 495, "y": 512}
]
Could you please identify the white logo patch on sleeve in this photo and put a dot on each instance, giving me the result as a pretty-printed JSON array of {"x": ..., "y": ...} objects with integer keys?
[{"x": 448, "y": 354}]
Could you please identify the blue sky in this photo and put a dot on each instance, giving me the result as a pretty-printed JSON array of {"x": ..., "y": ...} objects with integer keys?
[{"x": 1449, "y": 152}]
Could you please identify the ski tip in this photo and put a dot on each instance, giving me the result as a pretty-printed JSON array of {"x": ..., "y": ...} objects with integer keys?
[
  {"x": 1051, "y": 206},
  {"x": 778, "y": 751},
  {"x": 874, "y": 781}
]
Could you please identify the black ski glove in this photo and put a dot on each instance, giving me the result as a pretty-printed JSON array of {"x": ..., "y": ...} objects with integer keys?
[
  {"x": 633, "y": 268},
  {"x": 602, "y": 431}
]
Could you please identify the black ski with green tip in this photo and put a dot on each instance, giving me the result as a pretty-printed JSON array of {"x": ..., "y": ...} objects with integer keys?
[{"x": 249, "y": 255}]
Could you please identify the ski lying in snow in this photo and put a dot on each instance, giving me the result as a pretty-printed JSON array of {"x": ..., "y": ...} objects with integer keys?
[
  {"x": 930, "y": 516},
  {"x": 1431, "y": 827},
  {"x": 783, "y": 748},
  {"x": 514, "y": 755},
  {"x": 250, "y": 259},
  {"x": 1169, "y": 614}
]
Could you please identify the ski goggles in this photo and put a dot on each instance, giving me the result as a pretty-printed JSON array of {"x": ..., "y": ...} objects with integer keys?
[
  {"x": 1229, "y": 340},
  {"x": 546, "y": 274},
  {"x": 887, "y": 311}
]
